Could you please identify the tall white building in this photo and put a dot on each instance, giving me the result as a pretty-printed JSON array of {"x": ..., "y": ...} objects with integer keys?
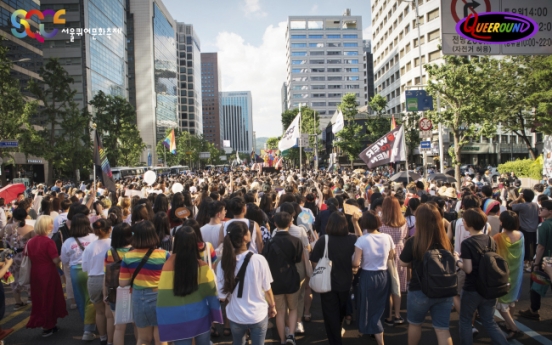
[
  {"x": 324, "y": 62},
  {"x": 395, "y": 46},
  {"x": 189, "y": 70},
  {"x": 237, "y": 120}
]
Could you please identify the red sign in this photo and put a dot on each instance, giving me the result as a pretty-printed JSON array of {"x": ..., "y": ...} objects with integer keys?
[
  {"x": 425, "y": 124},
  {"x": 468, "y": 8}
]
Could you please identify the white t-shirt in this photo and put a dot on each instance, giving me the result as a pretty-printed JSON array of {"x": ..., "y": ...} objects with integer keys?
[
  {"x": 94, "y": 256},
  {"x": 460, "y": 234},
  {"x": 375, "y": 250},
  {"x": 71, "y": 254},
  {"x": 58, "y": 221},
  {"x": 210, "y": 233},
  {"x": 296, "y": 231},
  {"x": 252, "y": 307},
  {"x": 253, "y": 245}
]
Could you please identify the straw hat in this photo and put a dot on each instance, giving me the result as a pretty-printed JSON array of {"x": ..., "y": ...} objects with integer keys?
[{"x": 450, "y": 193}]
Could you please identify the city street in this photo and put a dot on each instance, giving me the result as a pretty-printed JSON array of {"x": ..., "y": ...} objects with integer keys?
[{"x": 71, "y": 328}]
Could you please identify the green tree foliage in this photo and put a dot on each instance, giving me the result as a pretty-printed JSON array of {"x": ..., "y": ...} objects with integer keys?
[
  {"x": 188, "y": 147},
  {"x": 515, "y": 109},
  {"x": 115, "y": 119},
  {"x": 272, "y": 143},
  {"x": 540, "y": 78},
  {"x": 378, "y": 126},
  {"x": 352, "y": 135},
  {"x": 469, "y": 98},
  {"x": 310, "y": 124},
  {"x": 524, "y": 168},
  {"x": 65, "y": 138},
  {"x": 14, "y": 111}
]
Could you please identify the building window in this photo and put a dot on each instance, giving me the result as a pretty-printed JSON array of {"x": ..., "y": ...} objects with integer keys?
[
  {"x": 317, "y": 62},
  {"x": 298, "y": 45},
  {"x": 297, "y": 25},
  {"x": 318, "y": 78},
  {"x": 350, "y": 44},
  {"x": 318, "y": 87},
  {"x": 334, "y": 61},
  {"x": 349, "y": 53},
  {"x": 433, "y": 35},
  {"x": 351, "y": 61},
  {"x": 349, "y": 70},
  {"x": 350, "y": 36},
  {"x": 299, "y": 70},
  {"x": 318, "y": 104},
  {"x": 334, "y": 45},
  {"x": 298, "y": 62},
  {"x": 435, "y": 55},
  {"x": 333, "y": 36},
  {"x": 422, "y": 39},
  {"x": 318, "y": 95},
  {"x": 316, "y": 53},
  {"x": 334, "y": 78},
  {"x": 316, "y": 37},
  {"x": 333, "y": 53},
  {"x": 316, "y": 45},
  {"x": 316, "y": 25},
  {"x": 433, "y": 14},
  {"x": 298, "y": 53},
  {"x": 298, "y": 37}
]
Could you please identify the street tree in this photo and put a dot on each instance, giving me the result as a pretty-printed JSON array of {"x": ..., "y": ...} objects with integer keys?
[
  {"x": 310, "y": 124},
  {"x": 377, "y": 126},
  {"x": 58, "y": 110},
  {"x": 469, "y": 98},
  {"x": 352, "y": 135},
  {"x": 540, "y": 78},
  {"x": 115, "y": 119},
  {"x": 15, "y": 112},
  {"x": 272, "y": 143}
]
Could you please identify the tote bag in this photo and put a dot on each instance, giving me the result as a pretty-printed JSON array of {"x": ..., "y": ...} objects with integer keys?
[
  {"x": 321, "y": 280},
  {"x": 25, "y": 269},
  {"x": 123, "y": 307},
  {"x": 394, "y": 276}
]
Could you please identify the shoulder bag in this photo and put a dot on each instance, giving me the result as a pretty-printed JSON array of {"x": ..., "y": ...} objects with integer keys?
[
  {"x": 25, "y": 268},
  {"x": 321, "y": 280}
]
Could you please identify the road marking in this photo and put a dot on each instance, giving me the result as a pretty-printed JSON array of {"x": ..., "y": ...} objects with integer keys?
[
  {"x": 20, "y": 325},
  {"x": 14, "y": 314},
  {"x": 528, "y": 331}
]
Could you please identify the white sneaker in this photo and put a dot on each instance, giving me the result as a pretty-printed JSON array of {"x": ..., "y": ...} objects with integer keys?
[
  {"x": 475, "y": 332},
  {"x": 286, "y": 331},
  {"x": 88, "y": 336},
  {"x": 342, "y": 331},
  {"x": 300, "y": 329}
]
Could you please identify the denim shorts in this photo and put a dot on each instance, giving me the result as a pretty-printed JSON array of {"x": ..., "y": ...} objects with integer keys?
[
  {"x": 418, "y": 304},
  {"x": 144, "y": 302}
]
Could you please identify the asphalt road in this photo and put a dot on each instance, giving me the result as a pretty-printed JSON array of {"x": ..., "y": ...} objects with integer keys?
[{"x": 71, "y": 328}]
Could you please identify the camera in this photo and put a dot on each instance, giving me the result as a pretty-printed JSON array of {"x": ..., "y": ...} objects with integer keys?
[{"x": 6, "y": 253}]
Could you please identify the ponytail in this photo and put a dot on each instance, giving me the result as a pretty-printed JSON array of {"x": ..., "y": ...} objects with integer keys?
[{"x": 232, "y": 241}]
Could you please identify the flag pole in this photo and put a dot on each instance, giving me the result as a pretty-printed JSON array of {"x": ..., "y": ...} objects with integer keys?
[
  {"x": 300, "y": 144},
  {"x": 95, "y": 153},
  {"x": 405, "y": 156},
  {"x": 165, "y": 155}
]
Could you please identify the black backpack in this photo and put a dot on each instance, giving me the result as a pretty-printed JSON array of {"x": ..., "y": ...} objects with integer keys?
[
  {"x": 284, "y": 273},
  {"x": 438, "y": 279},
  {"x": 492, "y": 281}
]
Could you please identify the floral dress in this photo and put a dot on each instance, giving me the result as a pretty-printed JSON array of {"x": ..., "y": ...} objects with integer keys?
[{"x": 17, "y": 243}]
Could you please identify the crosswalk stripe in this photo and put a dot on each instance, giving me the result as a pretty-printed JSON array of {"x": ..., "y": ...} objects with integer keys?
[
  {"x": 20, "y": 325},
  {"x": 528, "y": 331},
  {"x": 14, "y": 315}
]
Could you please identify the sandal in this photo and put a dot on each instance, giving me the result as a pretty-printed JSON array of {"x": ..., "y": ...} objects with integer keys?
[
  {"x": 307, "y": 317},
  {"x": 514, "y": 335},
  {"x": 226, "y": 332},
  {"x": 214, "y": 332},
  {"x": 18, "y": 306},
  {"x": 502, "y": 324}
]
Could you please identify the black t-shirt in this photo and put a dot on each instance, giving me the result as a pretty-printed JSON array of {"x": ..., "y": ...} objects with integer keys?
[
  {"x": 291, "y": 246},
  {"x": 340, "y": 252},
  {"x": 407, "y": 256},
  {"x": 470, "y": 250}
]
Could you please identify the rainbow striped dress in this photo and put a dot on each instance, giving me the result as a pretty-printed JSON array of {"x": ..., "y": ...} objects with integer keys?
[{"x": 187, "y": 317}]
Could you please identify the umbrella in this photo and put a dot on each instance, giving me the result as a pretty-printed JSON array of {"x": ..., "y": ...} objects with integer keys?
[
  {"x": 359, "y": 171},
  {"x": 401, "y": 176},
  {"x": 441, "y": 177},
  {"x": 450, "y": 171},
  {"x": 10, "y": 192}
]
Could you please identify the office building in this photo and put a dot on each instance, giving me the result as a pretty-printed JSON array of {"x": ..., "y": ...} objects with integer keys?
[
  {"x": 26, "y": 57},
  {"x": 237, "y": 120},
  {"x": 284, "y": 97},
  {"x": 189, "y": 56},
  {"x": 154, "y": 71},
  {"x": 369, "y": 90},
  {"x": 210, "y": 97},
  {"x": 324, "y": 62}
]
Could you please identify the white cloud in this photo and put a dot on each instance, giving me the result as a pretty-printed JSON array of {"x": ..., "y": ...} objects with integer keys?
[
  {"x": 259, "y": 69},
  {"x": 367, "y": 33},
  {"x": 253, "y": 8},
  {"x": 314, "y": 9}
]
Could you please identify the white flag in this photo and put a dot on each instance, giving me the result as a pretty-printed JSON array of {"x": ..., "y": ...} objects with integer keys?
[
  {"x": 339, "y": 123},
  {"x": 291, "y": 136}
]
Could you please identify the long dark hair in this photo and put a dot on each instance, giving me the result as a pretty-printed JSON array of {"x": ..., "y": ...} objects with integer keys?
[
  {"x": 161, "y": 203},
  {"x": 186, "y": 262},
  {"x": 121, "y": 236},
  {"x": 203, "y": 211},
  {"x": 429, "y": 231},
  {"x": 192, "y": 223},
  {"x": 161, "y": 223},
  {"x": 233, "y": 240}
]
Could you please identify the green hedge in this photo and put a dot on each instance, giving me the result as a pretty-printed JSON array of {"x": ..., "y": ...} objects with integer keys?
[{"x": 523, "y": 168}]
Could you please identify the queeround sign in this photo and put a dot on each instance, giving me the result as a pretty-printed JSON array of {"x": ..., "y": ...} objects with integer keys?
[{"x": 497, "y": 27}]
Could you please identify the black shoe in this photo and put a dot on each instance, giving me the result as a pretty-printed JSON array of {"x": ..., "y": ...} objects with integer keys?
[
  {"x": 398, "y": 320},
  {"x": 290, "y": 340},
  {"x": 49, "y": 332},
  {"x": 103, "y": 342},
  {"x": 389, "y": 322}
]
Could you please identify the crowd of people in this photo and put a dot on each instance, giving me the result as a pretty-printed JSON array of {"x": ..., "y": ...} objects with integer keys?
[{"x": 239, "y": 248}]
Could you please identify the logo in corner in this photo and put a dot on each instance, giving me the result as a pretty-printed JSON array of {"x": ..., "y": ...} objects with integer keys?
[
  {"x": 22, "y": 28},
  {"x": 497, "y": 27}
]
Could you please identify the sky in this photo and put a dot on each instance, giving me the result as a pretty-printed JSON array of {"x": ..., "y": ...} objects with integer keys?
[{"x": 249, "y": 36}]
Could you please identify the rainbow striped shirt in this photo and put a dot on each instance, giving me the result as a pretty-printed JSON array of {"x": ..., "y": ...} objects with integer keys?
[
  {"x": 148, "y": 277},
  {"x": 187, "y": 317}
]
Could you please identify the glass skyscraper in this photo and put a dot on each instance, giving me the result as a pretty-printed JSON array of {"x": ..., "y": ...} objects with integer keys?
[
  {"x": 165, "y": 69},
  {"x": 237, "y": 120}
]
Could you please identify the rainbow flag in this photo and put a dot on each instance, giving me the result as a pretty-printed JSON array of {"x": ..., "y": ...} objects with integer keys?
[
  {"x": 393, "y": 123},
  {"x": 185, "y": 317},
  {"x": 170, "y": 142}
]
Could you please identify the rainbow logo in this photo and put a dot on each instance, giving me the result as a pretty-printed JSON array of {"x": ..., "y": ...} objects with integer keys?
[
  {"x": 23, "y": 15},
  {"x": 497, "y": 27}
]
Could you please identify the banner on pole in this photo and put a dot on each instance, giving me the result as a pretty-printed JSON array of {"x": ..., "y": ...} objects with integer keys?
[{"x": 387, "y": 149}]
